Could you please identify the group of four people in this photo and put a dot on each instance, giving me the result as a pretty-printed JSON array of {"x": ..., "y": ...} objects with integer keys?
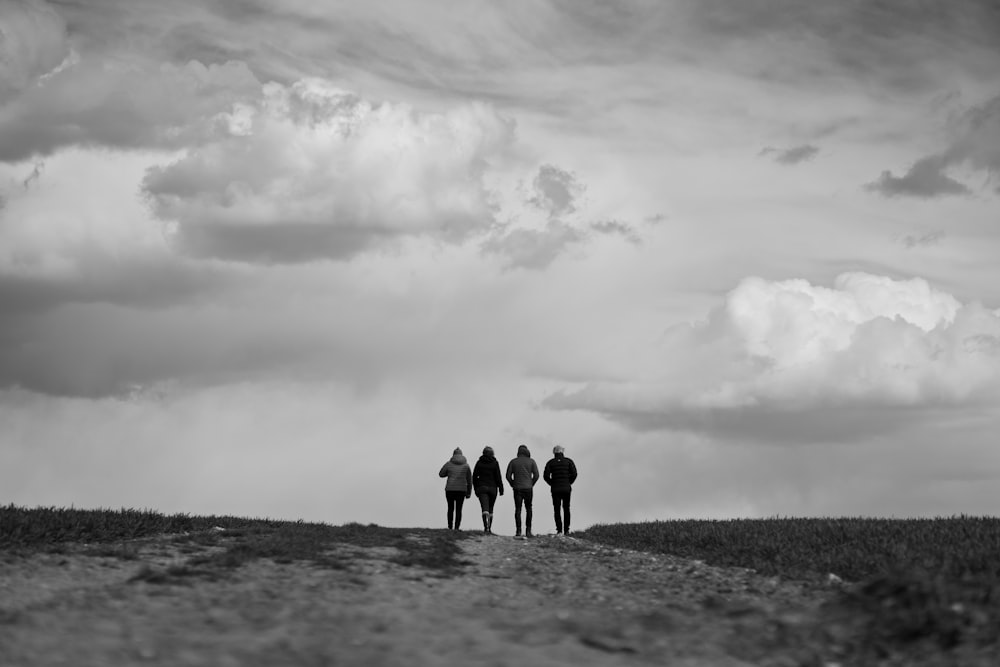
[{"x": 522, "y": 473}]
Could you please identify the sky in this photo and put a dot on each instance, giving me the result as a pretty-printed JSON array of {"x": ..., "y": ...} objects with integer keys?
[{"x": 279, "y": 258}]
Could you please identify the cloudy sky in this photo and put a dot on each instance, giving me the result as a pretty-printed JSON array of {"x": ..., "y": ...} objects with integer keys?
[{"x": 278, "y": 258}]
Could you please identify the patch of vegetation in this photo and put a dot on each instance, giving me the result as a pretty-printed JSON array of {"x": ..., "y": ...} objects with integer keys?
[
  {"x": 219, "y": 542},
  {"x": 916, "y": 585}
]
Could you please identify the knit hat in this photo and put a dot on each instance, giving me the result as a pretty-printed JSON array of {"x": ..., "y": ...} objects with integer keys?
[
  {"x": 558, "y": 449},
  {"x": 458, "y": 451},
  {"x": 487, "y": 451}
]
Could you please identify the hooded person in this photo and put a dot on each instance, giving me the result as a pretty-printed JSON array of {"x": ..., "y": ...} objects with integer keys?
[
  {"x": 559, "y": 474},
  {"x": 522, "y": 473},
  {"x": 458, "y": 487},
  {"x": 487, "y": 481}
]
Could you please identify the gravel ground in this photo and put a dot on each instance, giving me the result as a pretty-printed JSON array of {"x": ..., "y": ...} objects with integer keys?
[{"x": 545, "y": 601}]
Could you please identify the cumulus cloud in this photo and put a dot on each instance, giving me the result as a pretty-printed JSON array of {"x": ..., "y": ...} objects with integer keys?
[
  {"x": 797, "y": 361},
  {"x": 314, "y": 172},
  {"x": 32, "y": 44},
  {"x": 133, "y": 105},
  {"x": 974, "y": 143},
  {"x": 792, "y": 155}
]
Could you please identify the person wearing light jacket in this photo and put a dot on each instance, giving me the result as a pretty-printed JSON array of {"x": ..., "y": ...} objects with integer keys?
[
  {"x": 487, "y": 482},
  {"x": 560, "y": 473},
  {"x": 522, "y": 473},
  {"x": 458, "y": 487}
]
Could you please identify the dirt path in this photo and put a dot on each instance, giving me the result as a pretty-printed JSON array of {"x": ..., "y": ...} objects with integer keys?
[{"x": 547, "y": 601}]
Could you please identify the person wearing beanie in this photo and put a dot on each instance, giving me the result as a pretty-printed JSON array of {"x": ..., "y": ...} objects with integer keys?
[
  {"x": 487, "y": 482},
  {"x": 560, "y": 473},
  {"x": 458, "y": 487},
  {"x": 522, "y": 473}
]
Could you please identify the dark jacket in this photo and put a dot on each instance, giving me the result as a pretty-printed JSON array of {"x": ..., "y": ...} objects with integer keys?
[
  {"x": 486, "y": 475},
  {"x": 458, "y": 473},
  {"x": 560, "y": 473},
  {"x": 522, "y": 472}
]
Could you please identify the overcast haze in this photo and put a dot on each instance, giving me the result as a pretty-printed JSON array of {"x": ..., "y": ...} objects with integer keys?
[{"x": 280, "y": 258}]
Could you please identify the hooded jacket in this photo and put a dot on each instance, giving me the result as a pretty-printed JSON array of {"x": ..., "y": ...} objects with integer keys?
[
  {"x": 458, "y": 473},
  {"x": 560, "y": 473},
  {"x": 486, "y": 476},
  {"x": 522, "y": 471}
]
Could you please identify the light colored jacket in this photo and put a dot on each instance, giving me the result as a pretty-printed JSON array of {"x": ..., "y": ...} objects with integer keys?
[{"x": 459, "y": 474}]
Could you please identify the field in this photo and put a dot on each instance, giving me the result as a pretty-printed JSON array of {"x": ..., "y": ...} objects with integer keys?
[{"x": 891, "y": 592}]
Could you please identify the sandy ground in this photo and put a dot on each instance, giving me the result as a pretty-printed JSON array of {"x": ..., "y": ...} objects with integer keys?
[{"x": 547, "y": 601}]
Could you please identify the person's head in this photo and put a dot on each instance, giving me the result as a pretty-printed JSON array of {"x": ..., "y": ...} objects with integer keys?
[
  {"x": 522, "y": 450},
  {"x": 457, "y": 452},
  {"x": 487, "y": 451},
  {"x": 558, "y": 449}
]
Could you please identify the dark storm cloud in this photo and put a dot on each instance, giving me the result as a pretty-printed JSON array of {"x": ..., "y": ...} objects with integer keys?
[
  {"x": 617, "y": 228},
  {"x": 763, "y": 424},
  {"x": 532, "y": 248},
  {"x": 974, "y": 143},
  {"x": 32, "y": 44},
  {"x": 922, "y": 240},
  {"x": 926, "y": 179},
  {"x": 792, "y": 155},
  {"x": 555, "y": 191},
  {"x": 135, "y": 106}
]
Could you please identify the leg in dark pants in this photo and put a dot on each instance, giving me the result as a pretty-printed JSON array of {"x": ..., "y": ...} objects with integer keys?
[
  {"x": 486, "y": 501},
  {"x": 455, "y": 501},
  {"x": 528, "y": 496},
  {"x": 518, "y": 501},
  {"x": 560, "y": 501}
]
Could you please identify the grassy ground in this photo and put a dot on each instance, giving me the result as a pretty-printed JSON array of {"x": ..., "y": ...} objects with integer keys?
[
  {"x": 916, "y": 585},
  {"x": 231, "y": 541}
]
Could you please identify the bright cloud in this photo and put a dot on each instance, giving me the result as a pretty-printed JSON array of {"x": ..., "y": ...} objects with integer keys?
[
  {"x": 781, "y": 350},
  {"x": 312, "y": 171}
]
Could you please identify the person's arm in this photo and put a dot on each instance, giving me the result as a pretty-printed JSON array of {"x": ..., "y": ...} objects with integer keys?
[
  {"x": 444, "y": 471},
  {"x": 534, "y": 472},
  {"x": 547, "y": 474},
  {"x": 498, "y": 478},
  {"x": 510, "y": 474},
  {"x": 468, "y": 481},
  {"x": 572, "y": 471}
]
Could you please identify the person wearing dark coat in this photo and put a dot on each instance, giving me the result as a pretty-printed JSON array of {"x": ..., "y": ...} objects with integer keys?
[
  {"x": 458, "y": 487},
  {"x": 559, "y": 474},
  {"x": 487, "y": 481},
  {"x": 522, "y": 473}
]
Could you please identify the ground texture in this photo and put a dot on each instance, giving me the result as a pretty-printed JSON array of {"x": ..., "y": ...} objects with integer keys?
[{"x": 546, "y": 601}]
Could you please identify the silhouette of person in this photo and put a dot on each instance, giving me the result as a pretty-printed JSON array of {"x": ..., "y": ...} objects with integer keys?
[
  {"x": 522, "y": 473},
  {"x": 487, "y": 482},
  {"x": 560, "y": 473},
  {"x": 458, "y": 487}
]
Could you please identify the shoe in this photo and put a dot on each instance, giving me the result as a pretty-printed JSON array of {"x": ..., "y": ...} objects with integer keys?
[{"x": 528, "y": 535}]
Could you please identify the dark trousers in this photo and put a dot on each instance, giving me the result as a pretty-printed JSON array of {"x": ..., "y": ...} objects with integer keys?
[
  {"x": 560, "y": 499},
  {"x": 487, "y": 499},
  {"x": 455, "y": 501},
  {"x": 522, "y": 496}
]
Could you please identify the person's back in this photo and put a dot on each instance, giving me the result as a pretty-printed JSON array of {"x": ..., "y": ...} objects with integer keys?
[
  {"x": 560, "y": 473},
  {"x": 522, "y": 473}
]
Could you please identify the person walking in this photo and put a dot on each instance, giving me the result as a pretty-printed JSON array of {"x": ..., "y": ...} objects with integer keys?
[
  {"x": 458, "y": 487},
  {"x": 559, "y": 474},
  {"x": 522, "y": 473},
  {"x": 487, "y": 482}
]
